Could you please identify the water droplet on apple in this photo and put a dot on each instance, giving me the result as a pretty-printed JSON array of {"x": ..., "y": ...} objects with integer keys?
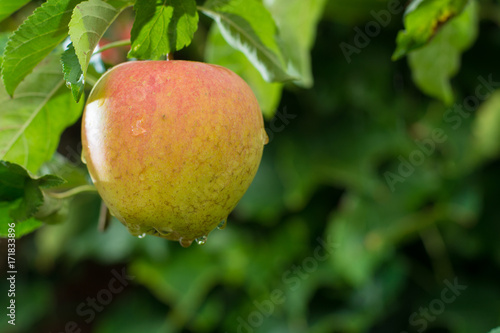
[
  {"x": 142, "y": 235},
  {"x": 82, "y": 157},
  {"x": 137, "y": 129},
  {"x": 100, "y": 102},
  {"x": 185, "y": 242},
  {"x": 265, "y": 137},
  {"x": 134, "y": 226},
  {"x": 135, "y": 229},
  {"x": 201, "y": 240},
  {"x": 222, "y": 224},
  {"x": 164, "y": 231}
]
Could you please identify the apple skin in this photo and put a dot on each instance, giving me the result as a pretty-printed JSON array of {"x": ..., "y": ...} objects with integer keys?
[{"x": 172, "y": 146}]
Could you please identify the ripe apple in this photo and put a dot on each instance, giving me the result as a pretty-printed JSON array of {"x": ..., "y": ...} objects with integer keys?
[{"x": 172, "y": 146}]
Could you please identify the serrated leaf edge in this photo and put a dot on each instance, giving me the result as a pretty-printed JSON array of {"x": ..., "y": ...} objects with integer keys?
[
  {"x": 217, "y": 16},
  {"x": 9, "y": 48},
  {"x": 83, "y": 61}
]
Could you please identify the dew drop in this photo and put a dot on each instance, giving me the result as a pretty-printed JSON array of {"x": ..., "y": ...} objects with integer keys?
[
  {"x": 134, "y": 227},
  {"x": 265, "y": 137},
  {"x": 164, "y": 231},
  {"x": 185, "y": 242},
  {"x": 138, "y": 129},
  {"x": 222, "y": 224},
  {"x": 142, "y": 235},
  {"x": 100, "y": 102},
  {"x": 68, "y": 85},
  {"x": 201, "y": 240},
  {"x": 82, "y": 157},
  {"x": 135, "y": 230}
]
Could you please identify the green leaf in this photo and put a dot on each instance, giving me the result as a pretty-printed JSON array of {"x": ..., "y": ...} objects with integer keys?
[
  {"x": 162, "y": 26},
  {"x": 34, "y": 40},
  {"x": 296, "y": 21},
  {"x": 8, "y": 7},
  {"x": 218, "y": 51},
  {"x": 486, "y": 128},
  {"x": 359, "y": 230},
  {"x": 434, "y": 64},
  {"x": 496, "y": 330},
  {"x": 4, "y": 37},
  {"x": 422, "y": 20},
  {"x": 249, "y": 27},
  {"x": 88, "y": 23},
  {"x": 16, "y": 183},
  {"x": 32, "y": 121},
  {"x": 73, "y": 74},
  {"x": 21, "y": 228}
]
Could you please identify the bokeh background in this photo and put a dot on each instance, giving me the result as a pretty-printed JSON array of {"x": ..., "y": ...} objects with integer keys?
[{"x": 322, "y": 241}]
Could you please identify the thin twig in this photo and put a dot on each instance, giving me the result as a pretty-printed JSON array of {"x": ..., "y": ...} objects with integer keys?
[
  {"x": 72, "y": 192},
  {"x": 118, "y": 43},
  {"x": 104, "y": 218}
]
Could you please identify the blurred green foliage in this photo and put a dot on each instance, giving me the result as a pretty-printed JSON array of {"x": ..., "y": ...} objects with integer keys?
[{"x": 371, "y": 200}]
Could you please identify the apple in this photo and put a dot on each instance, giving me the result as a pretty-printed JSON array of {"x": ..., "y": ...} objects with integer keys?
[{"x": 172, "y": 146}]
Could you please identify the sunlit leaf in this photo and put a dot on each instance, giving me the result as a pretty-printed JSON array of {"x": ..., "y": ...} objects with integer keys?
[
  {"x": 435, "y": 63},
  {"x": 4, "y": 37},
  {"x": 34, "y": 40},
  {"x": 297, "y": 20},
  {"x": 423, "y": 18},
  {"x": 219, "y": 52},
  {"x": 7, "y": 7},
  {"x": 32, "y": 121},
  {"x": 249, "y": 27},
  {"x": 88, "y": 23},
  {"x": 162, "y": 26},
  {"x": 486, "y": 128}
]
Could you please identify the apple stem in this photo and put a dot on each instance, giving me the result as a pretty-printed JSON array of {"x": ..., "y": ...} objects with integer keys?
[{"x": 170, "y": 56}]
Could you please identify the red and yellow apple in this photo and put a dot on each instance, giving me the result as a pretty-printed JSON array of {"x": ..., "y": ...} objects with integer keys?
[{"x": 172, "y": 146}]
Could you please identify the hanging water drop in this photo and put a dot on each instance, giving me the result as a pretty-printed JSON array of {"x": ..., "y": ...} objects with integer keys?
[
  {"x": 201, "y": 240},
  {"x": 222, "y": 224},
  {"x": 164, "y": 231},
  {"x": 185, "y": 242},
  {"x": 265, "y": 137},
  {"x": 133, "y": 227},
  {"x": 142, "y": 235},
  {"x": 135, "y": 230}
]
